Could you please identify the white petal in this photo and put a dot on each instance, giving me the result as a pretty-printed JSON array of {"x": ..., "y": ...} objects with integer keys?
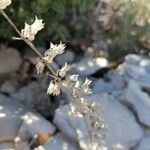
[
  {"x": 40, "y": 67},
  {"x": 62, "y": 72},
  {"x": 30, "y": 31},
  {"x": 37, "y": 26},
  {"x": 4, "y": 3},
  {"x": 53, "y": 89},
  {"x": 74, "y": 77},
  {"x": 77, "y": 84}
]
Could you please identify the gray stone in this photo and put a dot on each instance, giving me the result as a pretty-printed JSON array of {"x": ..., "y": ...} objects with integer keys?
[
  {"x": 66, "y": 123},
  {"x": 9, "y": 87},
  {"x": 122, "y": 130},
  {"x": 17, "y": 120},
  {"x": 10, "y": 145},
  {"x": 7, "y": 146},
  {"x": 34, "y": 96},
  {"x": 67, "y": 57},
  {"x": 138, "y": 68},
  {"x": 10, "y": 60},
  {"x": 139, "y": 100},
  {"x": 144, "y": 144},
  {"x": 59, "y": 142},
  {"x": 133, "y": 59},
  {"x": 10, "y": 122},
  {"x": 110, "y": 86},
  {"x": 34, "y": 124},
  {"x": 101, "y": 86},
  {"x": 121, "y": 133},
  {"x": 88, "y": 66}
]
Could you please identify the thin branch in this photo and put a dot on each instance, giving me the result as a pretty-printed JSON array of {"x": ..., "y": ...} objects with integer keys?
[
  {"x": 35, "y": 50},
  {"x": 88, "y": 130},
  {"x": 54, "y": 74}
]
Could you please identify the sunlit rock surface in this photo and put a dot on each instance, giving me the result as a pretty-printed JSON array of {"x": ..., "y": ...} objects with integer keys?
[
  {"x": 122, "y": 130},
  {"x": 123, "y": 94},
  {"x": 144, "y": 144},
  {"x": 34, "y": 97},
  {"x": 59, "y": 142},
  {"x": 18, "y": 120},
  {"x": 139, "y": 100},
  {"x": 137, "y": 68},
  {"x": 88, "y": 66}
]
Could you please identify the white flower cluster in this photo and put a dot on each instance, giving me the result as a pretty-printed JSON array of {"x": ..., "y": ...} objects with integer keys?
[
  {"x": 50, "y": 54},
  {"x": 77, "y": 89},
  {"x": 70, "y": 83},
  {"x": 54, "y": 88},
  {"x": 4, "y": 3},
  {"x": 53, "y": 51},
  {"x": 30, "y": 31}
]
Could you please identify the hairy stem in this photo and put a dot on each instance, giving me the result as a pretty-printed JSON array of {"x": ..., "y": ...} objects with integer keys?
[
  {"x": 54, "y": 74},
  {"x": 88, "y": 129},
  {"x": 35, "y": 50}
]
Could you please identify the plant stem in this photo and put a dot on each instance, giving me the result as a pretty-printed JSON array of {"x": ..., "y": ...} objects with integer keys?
[
  {"x": 26, "y": 41},
  {"x": 33, "y": 48},
  {"x": 54, "y": 74},
  {"x": 88, "y": 130}
]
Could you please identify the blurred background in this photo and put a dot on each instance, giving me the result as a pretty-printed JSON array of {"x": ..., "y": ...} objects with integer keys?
[{"x": 112, "y": 28}]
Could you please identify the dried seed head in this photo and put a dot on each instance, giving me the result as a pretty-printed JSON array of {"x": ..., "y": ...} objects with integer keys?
[
  {"x": 58, "y": 49},
  {"x": 54, "y": 89},
  {"x": 62, "y": 72},
  {"x": 73, "y": 77},
  {"x": 85, "y": 86},
  {"x": 48, "y": 59},
  {"x": 53, "y": 51},
  {"x": 4, "y": 3},
  {"x": 30, "y": 31},
  {"x": 40, "y": 67}
]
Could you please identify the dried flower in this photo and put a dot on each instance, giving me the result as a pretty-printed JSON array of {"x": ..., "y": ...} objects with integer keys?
[
  {"x": 53, "y": 51},
  {"x": 48, "y": 59},
  {"x": 77, "y": 84},
  {"x": 40, "y": 67},
  {"x": 77, "y": 90},
  {"x": 58, "y": 49},
  {"x": 85, "y": 86},
  {"x": 62, "y": 72},
  {"x": 4, "y": 3},
  {"x": 80, "y": 90},
  {"x": 54, "y": 89},
  {"x": 30, "y": 31},
  {"x": 73, "y": 77}
]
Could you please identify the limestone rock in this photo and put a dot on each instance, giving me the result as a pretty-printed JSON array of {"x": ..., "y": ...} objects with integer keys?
[
  {"x": 67, "y": 57},
  {"x": 18, "y": 120},
  {"x": 144, "y": 144},
  {"x": 7, "y": 146},
  {"x": 88, "y": 66},
  {"x": 59, "y": 142},
  {"x": 34, "y": 97},
  {"x": 113, "y": 82},
  {"x": 10, "y": 60},
  {"x": 9, "y": 87},
  {"x": 10, "y": 120},
  {"x": 137, "y": 68},
  {"x": 121, "y": 133},
  {"x": 34, "y": 124},
  {"x": 139, "y": 100}
]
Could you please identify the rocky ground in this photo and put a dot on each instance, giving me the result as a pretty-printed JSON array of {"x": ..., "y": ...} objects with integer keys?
[{"x": 26, "y": 111}]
